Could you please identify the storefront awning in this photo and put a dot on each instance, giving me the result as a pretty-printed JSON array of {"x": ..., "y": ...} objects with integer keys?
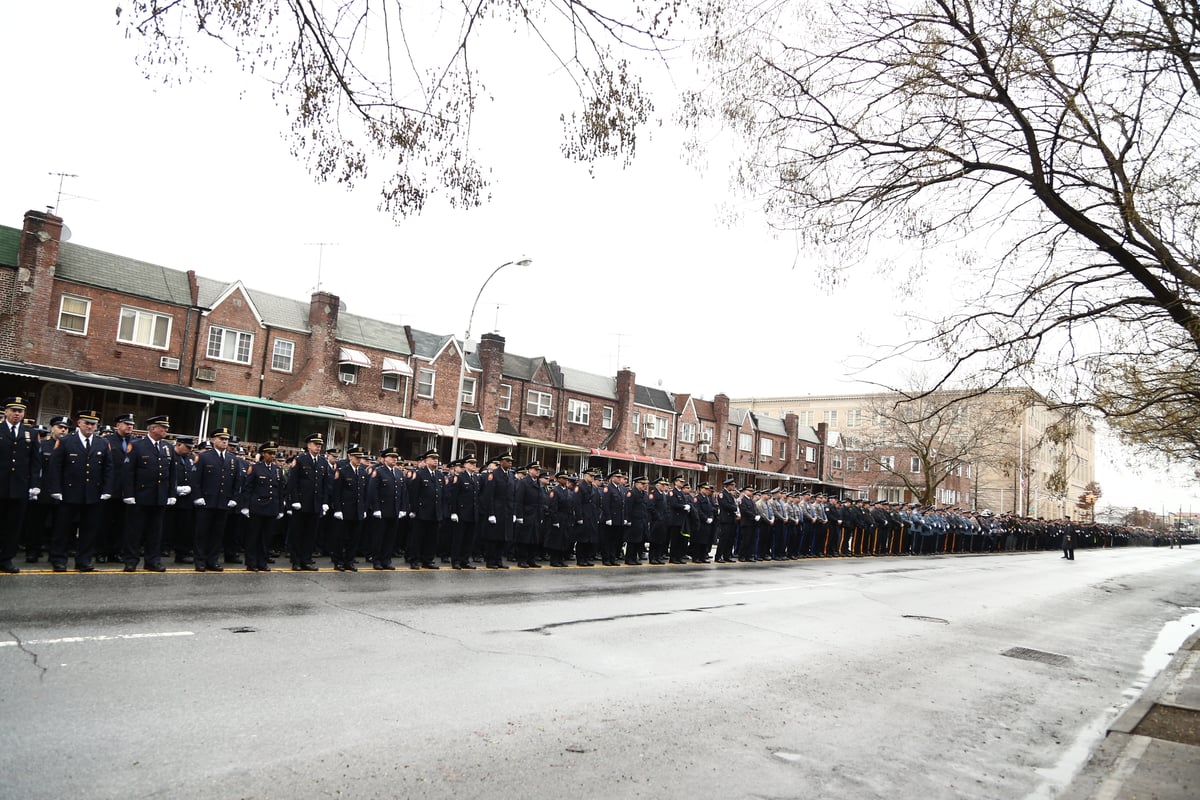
[
  {"x": 96, "y": 381},
  {"x": 477, "y": 436},
  {"x": 783, "y": 476},
  {"x": 348, "y": 355},
  {"x": 384, "y": 420},
  {"x": 394, "y": 366},
  {"x": 274, "y": 405},
  {"x": 662, "y": 462},
  {"x": 565, "y": 448}
]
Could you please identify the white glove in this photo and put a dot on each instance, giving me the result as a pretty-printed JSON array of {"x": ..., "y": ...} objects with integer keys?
[
  {"x": 608, "y": 522},
  {"x": 58, "y": 497},
  {"x": 337, "y": 515},
  {"x": 557, "y": 525},
  {"x": 324, "y": 507},
  {"x": 519, "y": 520},
  {"x": 295, "y": 506},
  {"x": 412, "y": 514},
  {"x": 628, "y": 524},
  {"x": 170, "y": 501},
  {"x": 199, "y": 502},
  {"x": 230, "y": 504},
  {"x": 708, "y": 521},
  {"x": 454, "y": 517},
  {"x": 758, "y": 518},
  {"x": 129, "y": 501},
  {"x": 183, "y": 491},
  {"x": 34, "y": 492},
  {"x": 687, "y": 507},
  {"x": 102, "y": 497},
  {"x": 245, "y": 512},
  {"x": 377, "y": 514},
  {"x": 277, "y": 516}
]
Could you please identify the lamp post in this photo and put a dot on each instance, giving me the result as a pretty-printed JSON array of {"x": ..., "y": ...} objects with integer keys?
[
  {"x": 462, "y": 367},
  {"x": 1090, "y": 499}
]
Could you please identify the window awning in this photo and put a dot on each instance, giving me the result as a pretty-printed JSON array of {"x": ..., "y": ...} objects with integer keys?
[
  {"x": 348, "y": 355},
  {"x": 274, "y": 405},
  {"x": 384, "y": 420},
  {"x": 394, "y": 366},
  {"x": 95, "y": 381},
  {"x": 661, "y": 462},
  {"x": 566, "y": 448},
  {"x": 486, "y": 437}
]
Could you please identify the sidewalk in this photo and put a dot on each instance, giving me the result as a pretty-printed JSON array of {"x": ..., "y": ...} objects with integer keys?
[{"x": 1152, "y": 750}]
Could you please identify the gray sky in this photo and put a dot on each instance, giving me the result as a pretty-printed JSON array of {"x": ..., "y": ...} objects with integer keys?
[{"x": 634, "y": 267}]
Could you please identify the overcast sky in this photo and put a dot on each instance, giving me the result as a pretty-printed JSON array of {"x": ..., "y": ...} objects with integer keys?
[{"x": 631, "y": 267}]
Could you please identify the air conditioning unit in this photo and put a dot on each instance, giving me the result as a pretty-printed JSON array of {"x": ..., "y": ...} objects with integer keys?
[
  {"x": 543, "y": 412},
  {"x": 347, "y": 378},
  {"x": 168, "y": 362},
  {"x": 704, "y": 449},
  {"x": 206, "y": 374}
]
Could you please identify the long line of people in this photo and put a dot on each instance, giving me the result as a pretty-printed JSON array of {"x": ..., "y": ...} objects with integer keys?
[{"x": 121, "y": 498}]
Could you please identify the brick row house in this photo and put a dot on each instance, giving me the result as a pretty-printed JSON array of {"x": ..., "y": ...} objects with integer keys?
[{"x": 83, "y": 328}]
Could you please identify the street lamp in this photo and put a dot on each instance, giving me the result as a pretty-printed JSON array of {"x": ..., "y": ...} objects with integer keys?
[
  {"x": 462, "y": 367},
  {"x": 1090, "y": 499}
]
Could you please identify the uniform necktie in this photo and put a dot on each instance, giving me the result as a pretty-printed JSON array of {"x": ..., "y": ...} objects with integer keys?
[{"x": 87, "y": 443}]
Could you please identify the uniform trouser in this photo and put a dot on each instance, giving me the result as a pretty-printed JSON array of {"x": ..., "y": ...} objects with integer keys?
[
  {"x": 89, "y": 517},
  {"x": 422, "y": 541},
  {"x": 110, "y": 537},
  {"x": 611, "y": 537},
  {"x": 677, "y": 543},
  {"x": 179, "y": 529},
  {"x": 636, "y": 534},
  {"x": 493, "y": 552},
  {"x": 701, "y": 544},
  {"x": 779, "y": 543},
  {"x": 302, "y": 537},
  {"x": 259, "y": 530},
  {"x": 12, "y": 516},
  {"x": 39, "y": 527},
  {"x": 210, "y": 535},
  {"x": 383, "y": 540},
  {"x": 726, "y": 535},
  {"x": 346, "y": 533},
  {"x": 747, "y": 540},
  {"x": 143, "y": 534},
  {"x": 462, "y": 541}
]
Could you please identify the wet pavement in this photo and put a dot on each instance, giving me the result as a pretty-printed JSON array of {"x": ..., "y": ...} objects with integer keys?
[{"x": 986, "y": 677}]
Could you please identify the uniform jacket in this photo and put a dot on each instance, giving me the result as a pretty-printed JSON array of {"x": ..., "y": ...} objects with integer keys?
[
  {"x": 425, "y": 494},
  {"x": 20, "y": 461},
  {"x": 80, "y": 474},
  {"x": 387, "y": 492},
  {"x": 309, "y": 482},
  {"x": 263, "y": 490},
  {"x": 349, "y": 494},
  {"x": 220, "y": 480},
  {"x": 150, "y": 475}
]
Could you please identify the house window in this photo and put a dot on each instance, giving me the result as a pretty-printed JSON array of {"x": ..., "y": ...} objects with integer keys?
[
  {"x": 766, "y": 447},
  {"x": 637, "y": 422},
  {"x": 73, "y": 314},
  {"x": 607, "y": 422},
  {"x": 706, "y": 434},
  {"x": 887, "y": 463},
  {"x": 348, "y": 373},
  {"x": 579, "y": 412},
  {"x": 425, "y": 383},
  {"x": 853, "y": 418},
  {"x": 837, "y": 460},
  {"x": 783, "y": 451},
  {"x": 687, "y": 432},
  {"x": 745, "y": 442},
  {"x": 143, "y": 327},
  {"x": 830, "y": 418},
  {"x": 537, "y": 404},
  {"x": 805, "y": 418},
  {"x": 281, "y": 355},
  {"x": 504, "y": 396},
  {"x": 914, "y": 465},
  {"x": 810, "y": 454},
  {"x": 227, "y": 344},
  {"x": 851, "y": 461},
  {"x": 728, "y": 438},
  {"x": 866, "y": 464},
  {"x": 468, "y": 392},
  {"x": 391, "y": 381}
]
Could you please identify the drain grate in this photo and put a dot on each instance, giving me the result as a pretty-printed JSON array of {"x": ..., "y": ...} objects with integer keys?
[{"x": 1040, "y": 656}]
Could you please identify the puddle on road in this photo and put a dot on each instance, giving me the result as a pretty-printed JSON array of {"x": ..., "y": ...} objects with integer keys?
[{"x": 1169, "y": 639}]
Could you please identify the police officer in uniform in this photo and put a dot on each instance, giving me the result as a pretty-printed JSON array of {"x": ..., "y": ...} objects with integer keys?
[
  {"x": 149, "y": 488},
  {"x": 220, "y": 482},
  {"x": 308, "y": 485},
  {"x": 349, "y": 504},
  {"x": 111, "y": 539},
  {"x": 80, "y": 478},
  {"x": 425, "y": 511},
  {"x": 39, "y": 520},
  {"x": 20, "y": 477},
  {"x": 464, "y": 513},
  {"x": 388, "y": 501},
  {"x": 262, "y": 504},
  {"x": 180, "y": 520},
  {"x": 496, "y": 507}
]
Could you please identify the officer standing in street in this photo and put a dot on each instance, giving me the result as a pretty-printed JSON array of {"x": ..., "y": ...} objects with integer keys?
[
  {"x": 388, "y": 502},
  {"x": 496, "y": 507},
  {"x": 464, "y": 513},
  {"x": 425, "y": 512},
  {"x": 111, "y": 538},
  {"x": 349, "y": 504},
  {"x": 262, "y": 505},
  {"x": 220, "y": 479},
  {"x": 149, "y": 489},
  {"x": 20, "y": 475},
  {"x": 81, "y": 477},
  {"x": 39, "y": 520},
  {"x": 308, "y": 485}
]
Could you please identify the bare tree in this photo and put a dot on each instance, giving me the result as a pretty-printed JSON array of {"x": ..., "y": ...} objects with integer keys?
[
  {"x": 1046, "y": 150},
  {"x": 382, "y": 79}
]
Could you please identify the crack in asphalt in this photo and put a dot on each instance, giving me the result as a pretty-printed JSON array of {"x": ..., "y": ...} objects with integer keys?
[
  {"x": 21, "y": 646},
  {"x": 459, "y": 642},
  {"x": 545, "y": 629}
]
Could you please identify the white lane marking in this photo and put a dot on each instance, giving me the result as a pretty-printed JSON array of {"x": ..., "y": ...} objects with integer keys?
[
  {"x": 784, "y": 588},
  {"x": 74, "y": 639}
]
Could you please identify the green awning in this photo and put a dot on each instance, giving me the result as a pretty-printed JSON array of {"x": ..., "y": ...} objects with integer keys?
[{"x": 274, "y": 405}]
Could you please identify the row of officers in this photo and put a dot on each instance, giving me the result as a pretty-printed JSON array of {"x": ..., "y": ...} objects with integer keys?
[{"x": 86, "y": 486}]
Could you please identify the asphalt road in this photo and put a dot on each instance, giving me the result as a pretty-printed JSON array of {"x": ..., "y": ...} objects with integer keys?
[{"x": 871, "y": 678}]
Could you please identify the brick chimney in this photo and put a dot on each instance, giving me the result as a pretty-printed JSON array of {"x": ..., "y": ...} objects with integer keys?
[
  {"x": 793, "y": 464},
  {"x": 491, "y": 362},
  {"x": 37, "y": 256},
  {"x": 323, "y": 321},
  {"x": 721, "y": 453},
  {"x": 625, "y": 440}
]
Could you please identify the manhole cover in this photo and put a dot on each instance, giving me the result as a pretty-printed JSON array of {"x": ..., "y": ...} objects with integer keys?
[
  {"x": 242, "y": 629},
  {"x": 1173, "y": 724},
  {"x": 1041, "y": 656}
]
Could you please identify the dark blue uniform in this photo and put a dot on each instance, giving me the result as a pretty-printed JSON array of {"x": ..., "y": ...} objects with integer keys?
[
  {"x": 425, "y": 501},
  {"x": 20, "y": 471},
  {"x": 464, "y": 508},
  {"x": 496, "y": 507},
  {"x": 150, "y": 483},
  {"x": 83, "y": 475},
  {"x": 387, "y": 500},
  {"x": 349, "y": 503},
  {"x": 308, "y": 484},
  {"x": 220, "y": 477},
  {"x": 262, "y": 503}
]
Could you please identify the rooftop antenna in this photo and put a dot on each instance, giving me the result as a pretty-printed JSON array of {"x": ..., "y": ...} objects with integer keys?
[
  {"x": 62, "y": 176},
  {"x": 320, "y": 257}
]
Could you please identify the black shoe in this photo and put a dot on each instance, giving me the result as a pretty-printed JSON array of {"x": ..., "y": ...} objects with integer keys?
[
  {"x": 184, "y": 560},
  {"x": 350, "y": 567},
  {"x": 60, "y": 567},
  {"x": 78, "y": 568},
  {"x": 200, "y": 568},
  {"x": 414, "y": 566},
  {"x": 154, "y": 568},
  {"x": 296, "y": 568},
  {"x": 251, "y": 569},
  {"x": 215, "y": 568},
  {"x": 429, "y": 565},
  {"x": 264, "y": 569},
  {"x": 466, "y": 565},
  {"x": 339, "y": 567},
  {"x": 130, "y": 568},
  {"x": 377, "y": 566},
  {"x": 10, "y": 568},
  {"x": 310, "y": 567},
  {"x": 457, "y": 566}
]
